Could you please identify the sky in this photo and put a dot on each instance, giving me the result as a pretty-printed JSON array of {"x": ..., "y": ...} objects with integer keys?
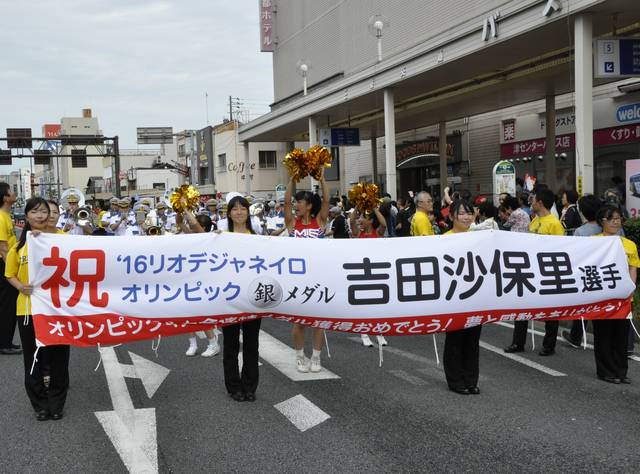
[{"x": 135, "y": 63}]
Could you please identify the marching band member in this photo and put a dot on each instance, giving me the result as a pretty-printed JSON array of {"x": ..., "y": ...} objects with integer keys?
[
  {"x": 48, "y": 403},
  {"x": 462, "y": 347},
  {"x": 67, "y": 221},
  {"x": 119, "y": 222},
  {"x": 138, "y": 227},
  {"x": 167, "y": 224},
  {"x": 309, "y": 222},
  {"x": 106, "y": 217}
]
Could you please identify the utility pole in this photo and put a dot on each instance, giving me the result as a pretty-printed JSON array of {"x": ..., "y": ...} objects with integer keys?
[{"x": 233, "y": 101}]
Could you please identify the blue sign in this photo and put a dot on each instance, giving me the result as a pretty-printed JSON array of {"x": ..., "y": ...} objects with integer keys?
[
  {"x": 345, "y": 137},
  {"x": 628, "y": 113},
  {"x": 630, "y": 57}
]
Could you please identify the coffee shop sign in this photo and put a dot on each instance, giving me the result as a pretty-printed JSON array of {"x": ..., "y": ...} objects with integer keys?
[{"x": 239, "y": 167}]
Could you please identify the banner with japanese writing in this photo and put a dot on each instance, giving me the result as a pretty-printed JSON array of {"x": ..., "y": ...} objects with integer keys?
[{"x": 106, "y": 290}]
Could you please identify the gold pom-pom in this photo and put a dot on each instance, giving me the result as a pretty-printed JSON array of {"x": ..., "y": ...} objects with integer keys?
[
  {"x": 185, "y": 198},
  {"x": 301, "y": 164},
  {"x": 364, "y": 196},
  {"x": 318, "y": 158},
  {"x": 295, "y": 164}
]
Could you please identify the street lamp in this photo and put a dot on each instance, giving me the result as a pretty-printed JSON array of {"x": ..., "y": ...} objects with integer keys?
[
  {"x": 303, "y": 69},
  {"x": 377, "y": 23}
]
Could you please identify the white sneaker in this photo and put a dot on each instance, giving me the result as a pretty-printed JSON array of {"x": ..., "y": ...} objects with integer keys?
[
  {"x": 381, "y": 340},
  {"x": 366, "y": 341},
  {"x": 302, "y": 364},
  {"x": 191, "y": 351},
  {"x": 212, "y": 349},
  {"x": 315, "y": 365}
]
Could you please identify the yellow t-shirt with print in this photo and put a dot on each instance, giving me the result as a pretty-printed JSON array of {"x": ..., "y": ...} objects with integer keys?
[
  {"x": 547, "y": 225},
  {"x": 17, "y": 266},
  {"x": 7, "y": 229},
  {"x": 630, "y": 250},
  {"x": 421, "y": 225}
]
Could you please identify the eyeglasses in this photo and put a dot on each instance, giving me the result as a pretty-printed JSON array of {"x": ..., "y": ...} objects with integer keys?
[{"x": 613, "y": 219}]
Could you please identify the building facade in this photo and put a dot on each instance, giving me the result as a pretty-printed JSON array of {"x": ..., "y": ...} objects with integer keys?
[{"x": 442, "y": 90}]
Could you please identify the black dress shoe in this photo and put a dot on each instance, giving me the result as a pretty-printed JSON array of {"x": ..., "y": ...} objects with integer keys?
[
  {"x": 15, "y": 346},
  {"x": 57, "y": 416},
  {"x": 513, "y": 348},
  {"x": 625, "y": 380},
  {"x": 546, "y": 352},
  {"x": 237, "y": 396},
  {"x": 42, "y": 415},
  {"x": 461, "y": 391},
  {"x": 250, "y": 397},
  {"x": 614, "y": 380},
  {"x": 474, "y": 390}
]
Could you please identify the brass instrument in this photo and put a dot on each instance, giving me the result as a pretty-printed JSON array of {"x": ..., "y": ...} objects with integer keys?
[
  {"x": 153, "y": 225},
  {"x": 83, "y": 216}
]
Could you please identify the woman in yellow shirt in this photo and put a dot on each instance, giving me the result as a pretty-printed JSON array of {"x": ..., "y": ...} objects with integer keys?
[
  {"x": 54, "y": 215},
  {"x": 462, "y": 348},
  {"x": 241, "y": 387},
  {"x": 610, "y": 335},
  {"x": 47, "y": 403}
]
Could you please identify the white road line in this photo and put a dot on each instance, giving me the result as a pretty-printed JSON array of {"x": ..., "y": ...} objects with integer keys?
[
  {"x": 407, "y": 377},
  {"x": 539, "y": 333},
  {"x": 283, "y": 358},
  {"x": 522, "y": 360},
  {"x": 301, "y": 412}
]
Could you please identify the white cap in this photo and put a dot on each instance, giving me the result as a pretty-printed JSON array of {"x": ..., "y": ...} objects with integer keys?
[{"x": 231, "y": 195}]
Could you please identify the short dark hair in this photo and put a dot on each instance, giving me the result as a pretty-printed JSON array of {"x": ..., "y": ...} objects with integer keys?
[
  {"x": 205, "y": 222},
  {"x": 546, "y": 197},
  {"x": 460, "y": 204},
  {"x": 572, "y": 196},
  {"x": 589, "y": 206},
  {"x": 511, "y": 203},
  {"x": 606, "y": 212},
  {"x": 487, "y": 209},
  {"x": 5, "y": 189}
]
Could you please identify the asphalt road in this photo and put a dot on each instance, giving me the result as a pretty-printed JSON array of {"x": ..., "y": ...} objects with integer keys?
[{"x": 397, "y": 418}]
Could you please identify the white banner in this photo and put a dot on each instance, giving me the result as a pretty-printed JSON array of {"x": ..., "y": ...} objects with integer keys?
[{"x": 115, "y": 289}]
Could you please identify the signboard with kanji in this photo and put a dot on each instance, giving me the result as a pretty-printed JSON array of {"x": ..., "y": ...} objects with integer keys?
[{"x": 266, "y": 26}]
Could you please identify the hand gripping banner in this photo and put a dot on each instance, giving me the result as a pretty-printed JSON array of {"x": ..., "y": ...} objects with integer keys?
[{"x": 107, "y": 290}]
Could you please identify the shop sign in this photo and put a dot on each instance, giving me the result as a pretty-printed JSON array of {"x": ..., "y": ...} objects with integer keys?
[
  {"x": 504, "y": 180},
  {"x": 431, "y": 147},
  {"x": 628, "y": 113},
  {"x": 633, "y": 187},
  {"x": 617, "y": 135},
  {"x": 508, "y": 130},
  {"x": 266, "y": 26},
  {"x": 537, "y": 146}
]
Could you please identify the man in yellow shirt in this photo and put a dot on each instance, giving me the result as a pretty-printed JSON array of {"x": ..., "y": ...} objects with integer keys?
[
  {"x": 8, "y": 294},
  {"x": 420, "y": 224},
  {"x": 546, "y": 223}
]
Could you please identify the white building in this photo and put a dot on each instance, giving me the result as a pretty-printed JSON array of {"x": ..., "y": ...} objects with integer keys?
[{"x": 429, "y": 85}]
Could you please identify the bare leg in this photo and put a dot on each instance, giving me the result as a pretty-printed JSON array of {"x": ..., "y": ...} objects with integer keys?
[
  {"x": 297, "y": 333},
  {"x": 318, "y": 338}
]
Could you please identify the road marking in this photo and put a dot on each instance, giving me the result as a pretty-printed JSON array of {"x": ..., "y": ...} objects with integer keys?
[
  {"x": 634, "y": 357},
  {"x": 407, "y": 377},
  {"x": 541, "y": 333},
  {"x": 283, "y": 358},
  {"x": 301, "y": 412},
  {"x": 132, "y": 431},
  {"x": 522, "y": 360}
]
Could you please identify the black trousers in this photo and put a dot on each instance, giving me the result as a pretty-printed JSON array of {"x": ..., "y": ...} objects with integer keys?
[
  {"x": 610, "y": 337},
  {"x": 520, "y": 333},
  {"x": 8, "y": 297},
  {"x": 550, "y": 335},
  {"x": 461, "y": 357},
  {"x": 246, "y": 382},
  {"x": 57, "y": 358}
]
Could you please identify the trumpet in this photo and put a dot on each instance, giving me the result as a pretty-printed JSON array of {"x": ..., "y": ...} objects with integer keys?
[
  {"x": 153, "y": 225},
  {"x": 83, "y": 216}
]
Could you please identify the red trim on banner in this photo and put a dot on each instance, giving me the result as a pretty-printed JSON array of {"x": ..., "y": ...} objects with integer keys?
[{"x": 110, "y": 328}]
